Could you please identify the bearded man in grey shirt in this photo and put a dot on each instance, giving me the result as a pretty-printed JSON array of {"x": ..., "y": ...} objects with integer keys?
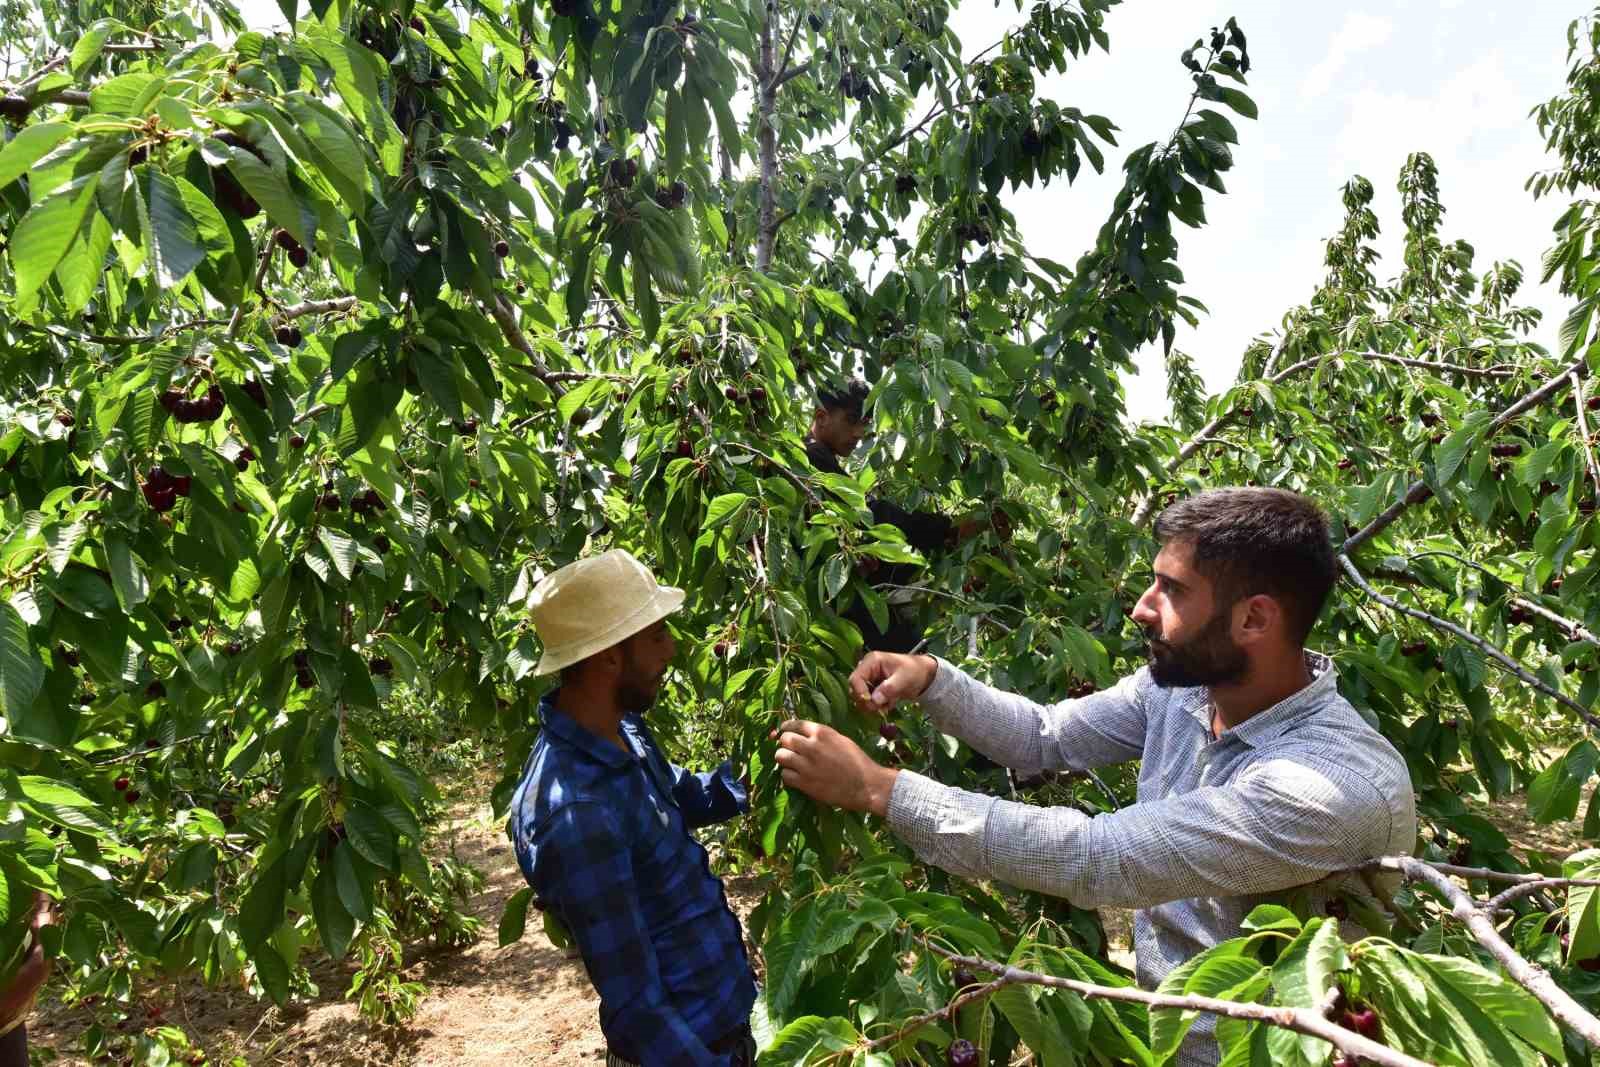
[{"x": 1256, "y": 776}]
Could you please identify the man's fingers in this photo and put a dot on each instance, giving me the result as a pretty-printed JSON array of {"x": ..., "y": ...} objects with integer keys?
[
  {"x": 871, "y": 671},
  {"x": 896, "y": 687}
]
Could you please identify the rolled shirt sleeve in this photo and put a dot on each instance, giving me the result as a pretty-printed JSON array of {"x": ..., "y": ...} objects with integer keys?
[
  {"x": 708, "y": 797},
  {"x": 586, "y": 876},
  {"x": 1074, "y": 735},
  {"x": 1281, "y": 824}
]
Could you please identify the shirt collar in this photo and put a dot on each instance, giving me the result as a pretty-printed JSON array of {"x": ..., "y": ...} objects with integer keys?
[
  {"x": 565, "y": 728},
  {"x": 1265, "y": 726}
]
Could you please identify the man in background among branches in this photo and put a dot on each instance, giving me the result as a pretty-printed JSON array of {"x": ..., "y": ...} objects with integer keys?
[
  {"x": 837, "y": 426},
  {"x": 1256, "y": 776}
]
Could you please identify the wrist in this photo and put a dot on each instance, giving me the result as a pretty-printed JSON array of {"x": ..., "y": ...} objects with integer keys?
[
  {"x": 931, "y": 665},
  {"x": 880, "y": 786}
]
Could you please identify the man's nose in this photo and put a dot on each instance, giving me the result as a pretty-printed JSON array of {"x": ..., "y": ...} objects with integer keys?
[{"x": 1144, "y": 612}]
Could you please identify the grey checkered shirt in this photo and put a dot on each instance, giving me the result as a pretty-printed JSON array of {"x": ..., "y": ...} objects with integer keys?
[{"x": 1305, "y": 788}]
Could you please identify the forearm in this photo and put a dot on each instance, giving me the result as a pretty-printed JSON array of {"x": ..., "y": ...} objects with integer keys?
[
  {"x": 1242, "y": 839},
  {"x": 1030, "y": 737},
  {"x": 709, "y": 797}
]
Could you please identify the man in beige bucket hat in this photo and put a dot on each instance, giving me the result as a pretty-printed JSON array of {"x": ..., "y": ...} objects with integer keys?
[{"x": 602, "y": 826}]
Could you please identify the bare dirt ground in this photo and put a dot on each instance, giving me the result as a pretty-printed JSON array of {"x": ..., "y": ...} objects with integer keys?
[{"x": 486, "y": 1006}]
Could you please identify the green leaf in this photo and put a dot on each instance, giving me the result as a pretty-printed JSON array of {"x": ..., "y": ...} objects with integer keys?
[
  {"x": 87, "y": 50},
  {"x": 809, "y": 1038},
  {"x": 515, "y": 917},
  {"x": 1454, "y": 448},
  {"x": 1304, "y": 972},
  {"x": 334, "y": 923},
  {"x": 21, "y": 672},
  {"x": 273, "y": 973},
  {"x": 341, "y": 550},
  {"x": 1211, "y": 973},
  {"x": 789, "y": 955},
  {"x": 724, "y": 509},
  {"x": 42, "y": 790},
  {"x": 27, "y": 147},
  {"x": 340, "y": 159},
  {"x": 127, "y": 95},
  {"x": 127, "y": 577},
  {"x": 175, "y": 241},
  {"x": 354, "y": 892},
  {"x": 370, "y": 836},
  {"x": 1238, "y": 101},
  {"x": 263, "y": 907},
  {"x": 269, "y": 188},
  {"x": 45, "y": 233},
  {"x": 1582, "y": 906}
]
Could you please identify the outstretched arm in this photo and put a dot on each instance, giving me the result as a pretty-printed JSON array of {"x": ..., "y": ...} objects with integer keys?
[
  {"x": 1282, "y": 824},
  {"x": 1092, "y": 731}
]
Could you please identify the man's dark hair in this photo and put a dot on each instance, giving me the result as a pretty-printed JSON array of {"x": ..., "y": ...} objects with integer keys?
[
  {"x": 850, "y": 397},
  {"x": 1250, "y": 541}
]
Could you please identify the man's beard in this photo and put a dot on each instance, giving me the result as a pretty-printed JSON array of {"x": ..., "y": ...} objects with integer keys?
[
  {"x": 634, "y": 692},
  {"x": 1208, "y": 658}
]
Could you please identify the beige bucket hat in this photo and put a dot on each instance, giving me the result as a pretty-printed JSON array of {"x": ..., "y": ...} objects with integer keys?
[{"x": 591, "y": 604}]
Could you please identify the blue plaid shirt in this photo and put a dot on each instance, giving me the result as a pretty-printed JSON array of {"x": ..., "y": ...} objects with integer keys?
[{"x": 603, "y": 836}]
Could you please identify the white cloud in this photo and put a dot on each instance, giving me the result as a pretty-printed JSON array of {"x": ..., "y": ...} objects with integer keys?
[{"x": 1361, "y": 31}]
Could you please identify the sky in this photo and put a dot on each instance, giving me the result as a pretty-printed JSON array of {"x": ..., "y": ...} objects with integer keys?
[{"x": 1342, "y": 90}]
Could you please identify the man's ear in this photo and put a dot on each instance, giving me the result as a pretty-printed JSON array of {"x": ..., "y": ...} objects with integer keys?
[{"x": 1256, "y": 618}]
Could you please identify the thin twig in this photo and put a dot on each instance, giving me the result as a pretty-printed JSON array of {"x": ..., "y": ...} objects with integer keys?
[
  {"x": 1575, "y": 630},
  {"x": 1501, "y": 901},
  {"x": 1309, "y": 1021},
  {"x": 777, "y": 466},
  {"x": 134, "y": 339},
  {"x": 1488, "y": 649},
  {"x": 261, "y": 273}
]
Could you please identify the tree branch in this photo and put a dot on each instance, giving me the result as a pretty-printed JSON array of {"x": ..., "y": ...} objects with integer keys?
[
  {"x": 933, "y": 112},
  {"x": 507, "y": 321},
  {"x": 1419, "y": 491},
  {"x": 1308, "y": 1021},
  {"x": 782, "y": 74},
  {"x": 133, "y": 339},
  {"x": 1501, "y": 901},
  {"x": 790, "y": 75},
  {"x": 1488, "y": 649},
  {"x": 1201, "y": 436},
  {"x": 1535, "y": 980},
  {"x": 766, "y": 144},
  {"x": 315, "y": 307},
  {"x": 1575, "y": 630},
  {"x": 803, "y": 485}
]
